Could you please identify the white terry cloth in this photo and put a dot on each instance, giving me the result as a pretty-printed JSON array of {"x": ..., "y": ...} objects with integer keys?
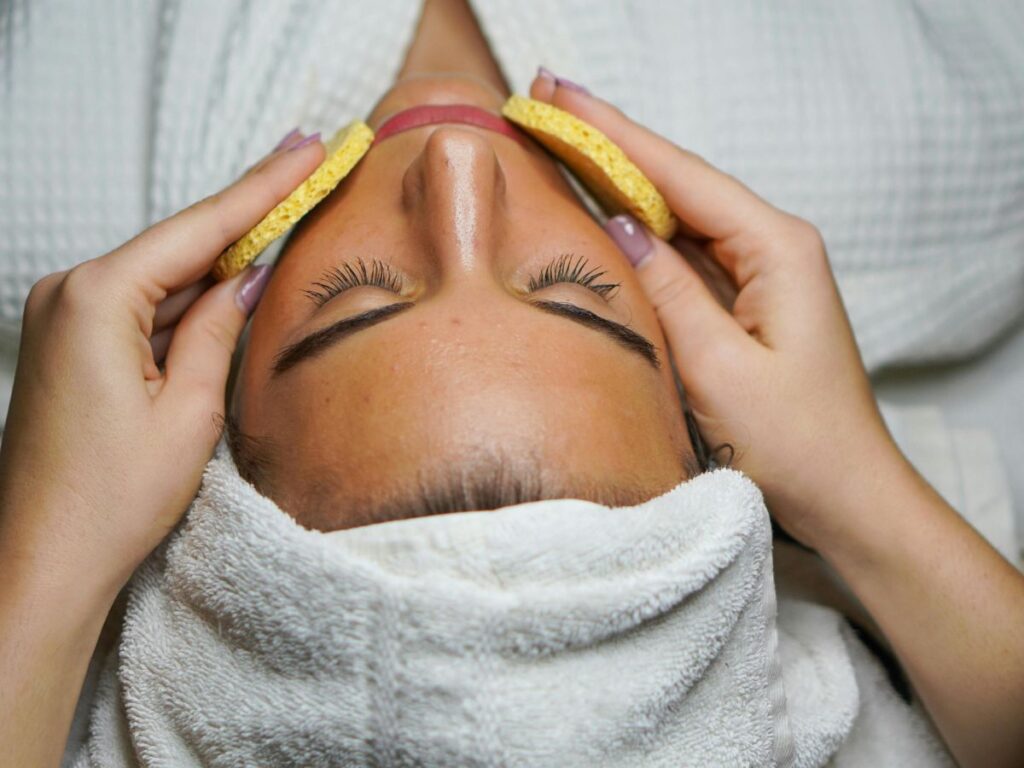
[
  {"x": 897, "y": 128},
  {"x": 556, "y": 633}
]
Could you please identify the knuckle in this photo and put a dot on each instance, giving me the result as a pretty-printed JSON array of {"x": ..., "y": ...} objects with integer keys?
[
  {"x": 212, "y": 209},
  {"x": 205, "y": 395},
  {"x": 221, "y": 335},
  {"x": 696, "y": 159},
  {"x": 805, "y": 236},
  {"x": 79, "y": 288},
  {"x": 41, "y": 291},
  {"x": 205, "y": 390},
  {"x": 207, "y": 206},
  {"x": 669, "y": 289}
]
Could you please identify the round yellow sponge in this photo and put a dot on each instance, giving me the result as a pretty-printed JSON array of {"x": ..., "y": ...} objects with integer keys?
[
  {"x": 344, "y": 150},
  {"x": 600, "y": 165}
]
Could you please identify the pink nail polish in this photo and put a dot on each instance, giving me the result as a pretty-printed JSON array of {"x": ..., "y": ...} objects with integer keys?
[
  {"x": 569, "y": 85},
  {"x": 631, "y": 237},
  {"x": 561, "y": 82},
  {"x": 293, "y": 135},
  {"x": 251, "y": 288},
  {"x": 308, "y": 140}
]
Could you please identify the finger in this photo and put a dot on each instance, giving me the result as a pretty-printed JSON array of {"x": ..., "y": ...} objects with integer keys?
[
  {"x": 159, "y": 343},
  {"x": 543, "y": 89},
  {"x": 696, "y": 325},
  {"x": 710, "y": 202},
  {"x": 711, "y": 272},
  {"x": 173, "y": 307},
  {"x": 290, "y": 139},
  {"x": 182, "y": 249},
  {"x": 199, "y": 356},
  {"x": 544, "y": 85},
  {"x": 293, "y": 137}
]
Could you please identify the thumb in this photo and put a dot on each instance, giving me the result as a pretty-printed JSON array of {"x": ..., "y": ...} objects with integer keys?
[
  {"x": 696, "y": 325},
  {"x": 199, "y": 357}
]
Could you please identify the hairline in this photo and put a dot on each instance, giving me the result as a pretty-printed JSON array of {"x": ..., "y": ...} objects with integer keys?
[{"x": 489, "y": 483}]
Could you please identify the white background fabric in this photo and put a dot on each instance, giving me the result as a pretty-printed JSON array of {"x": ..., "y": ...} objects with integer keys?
[{"x": 897, "y": 128}]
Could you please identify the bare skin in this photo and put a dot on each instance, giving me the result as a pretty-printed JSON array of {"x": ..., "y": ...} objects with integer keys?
[
  {"x": 85, "y": 491},
  {"x": 467, "y": 216},
  {"x": 949, "y": 605}
]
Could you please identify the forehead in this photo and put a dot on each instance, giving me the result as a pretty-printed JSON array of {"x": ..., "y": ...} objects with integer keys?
[
  {"x": 396, "y": 397},
  {"x": 459, "y": 379}
]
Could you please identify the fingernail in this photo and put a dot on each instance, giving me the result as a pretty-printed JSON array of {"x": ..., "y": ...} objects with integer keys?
[
  {"x": 288, "y": 139},
  {"x": 251, "y": 288},
  {"x": 631, "y": 237},
  {"x": 569, "y": 85},
  {"x": 561, "y": 82},
  {"x": 308, "y": 140}
]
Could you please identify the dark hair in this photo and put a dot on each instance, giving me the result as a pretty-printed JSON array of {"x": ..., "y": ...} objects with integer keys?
[
  {"x": 489, "y": 483},
  {"x": 705, "y": 457}
]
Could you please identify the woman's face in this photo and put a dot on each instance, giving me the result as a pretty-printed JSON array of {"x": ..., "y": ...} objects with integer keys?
[{"x": 461, "y": 364}]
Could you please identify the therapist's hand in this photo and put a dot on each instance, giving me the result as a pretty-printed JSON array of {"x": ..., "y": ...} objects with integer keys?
[
  {"x": 104, "y": 450},
  {"x": 756, "y": 327},
  {"x": 755, "y": 324}
]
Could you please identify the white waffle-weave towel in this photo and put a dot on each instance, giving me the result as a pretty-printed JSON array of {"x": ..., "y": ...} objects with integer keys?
[{"x": 897, "y": 128}]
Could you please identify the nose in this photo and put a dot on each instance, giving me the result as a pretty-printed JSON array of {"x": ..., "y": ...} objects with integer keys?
[{"x": 456, "y": 187}]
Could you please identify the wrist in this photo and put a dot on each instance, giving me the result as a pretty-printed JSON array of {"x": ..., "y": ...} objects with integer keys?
[
  {"x": 51, "y": 626},
  {"x": 876, "y": 513},
  {"x": 56, "y": 571},
  {"x": 74, "y": 599}
]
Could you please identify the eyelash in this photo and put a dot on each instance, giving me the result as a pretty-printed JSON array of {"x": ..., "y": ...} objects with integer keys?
[
  {"x": 339, "y": 279},
  {"x": 567, "y": 268}
]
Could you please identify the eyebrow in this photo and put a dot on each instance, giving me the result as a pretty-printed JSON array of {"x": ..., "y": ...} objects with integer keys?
[
  {"x": 318, "y": 341},
  {"x": 626, "y": 337}
]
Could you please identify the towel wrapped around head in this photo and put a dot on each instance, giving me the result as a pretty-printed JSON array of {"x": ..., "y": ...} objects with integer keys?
[{"x": 554, "y": 633}]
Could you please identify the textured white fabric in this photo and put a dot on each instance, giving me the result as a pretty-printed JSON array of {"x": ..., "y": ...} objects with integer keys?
[
  {"x": 897, "y": 128},
  {"x": 964, "y": 466},
  {"x": 557, "y": 633},
  {"x": 983, "y": 394}
]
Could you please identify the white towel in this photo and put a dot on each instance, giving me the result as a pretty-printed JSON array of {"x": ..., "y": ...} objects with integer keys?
[{"x": 557, "y": 633}]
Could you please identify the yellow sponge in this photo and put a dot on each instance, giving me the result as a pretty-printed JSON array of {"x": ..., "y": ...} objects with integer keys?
[
  {"x": 344, "y": 150},
  {"x": 600, "y": 165}
]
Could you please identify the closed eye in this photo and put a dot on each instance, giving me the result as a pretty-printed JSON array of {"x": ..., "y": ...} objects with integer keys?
[
  {"x": 566, "y": 268},
  {"x": 337, "y": 280},
  {"x": 569, "y": 268}
]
